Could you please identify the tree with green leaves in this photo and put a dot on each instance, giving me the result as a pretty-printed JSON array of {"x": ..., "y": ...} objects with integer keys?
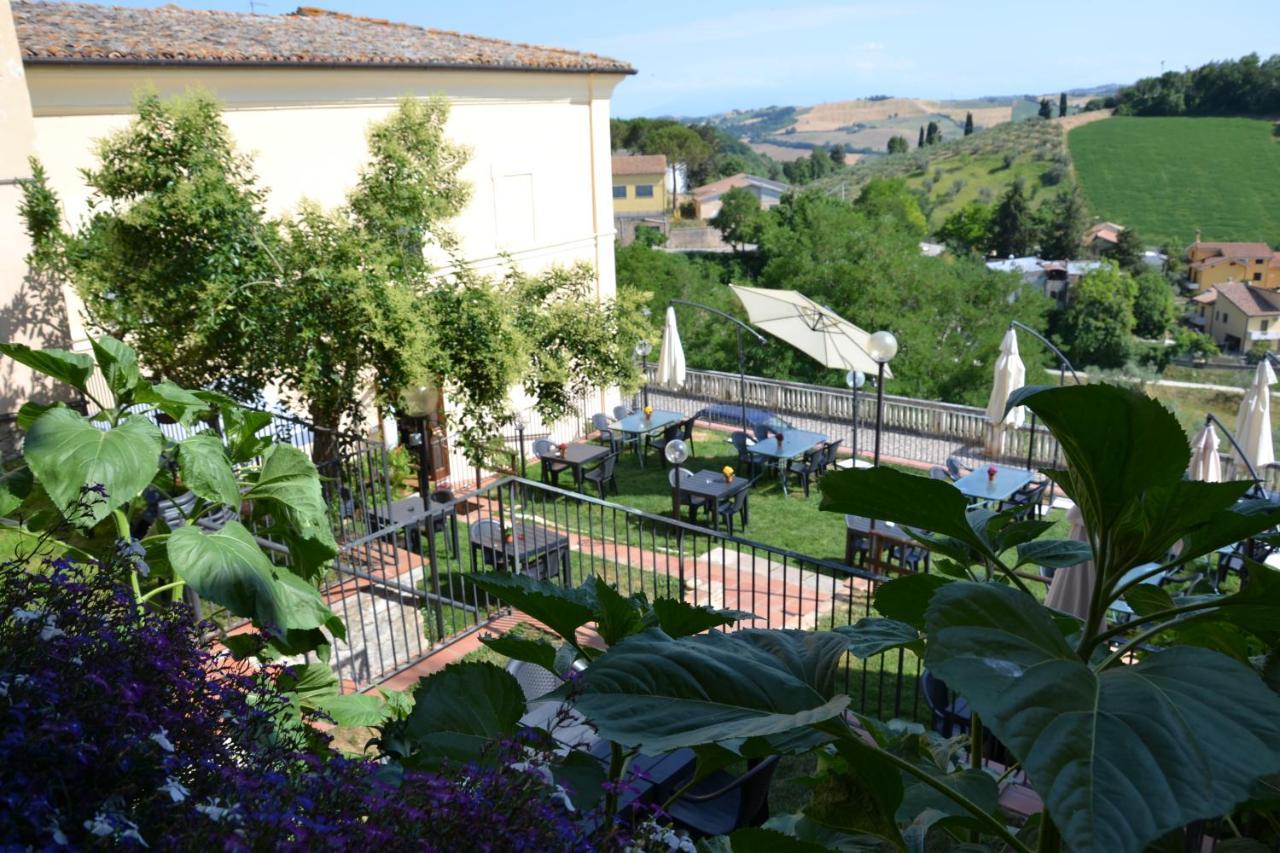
[
  {"x": 1097, "y": 326},
  {"x": 898, "y": 145},
  {"x": 738, "y": 218},
  {"x": 838, "y": 154},
  {"x": 682, "y": 146},
  {"x": 920, "y": 141},
  {"x": 968, "y": 124},
  {"x": 1064, "y": 221},
  {"x": 968, "y": 230},
  {"x": 1046, "y": 108},
  {"x": 1154, "y": 308},
  {"x": 1128, "y": 251},
  {"x": 1062, "y": 105},
  {"x": 932, "y": 134},
  {"x": 890, "y": 197},
  {"x": 1013, "y": 228}
]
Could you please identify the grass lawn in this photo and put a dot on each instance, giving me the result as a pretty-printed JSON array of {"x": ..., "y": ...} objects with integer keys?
[{"x": 1166, "y": 177}]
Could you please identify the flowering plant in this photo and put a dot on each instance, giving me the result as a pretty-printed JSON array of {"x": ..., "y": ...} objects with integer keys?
[
  {"x": 728, "y": 473},
  {"x": 648, "y": 411}
]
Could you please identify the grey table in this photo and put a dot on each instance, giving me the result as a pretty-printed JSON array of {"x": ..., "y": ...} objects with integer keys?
[
  {"x": 639, "y": 426},
  {"x": 533, "y": 549},
  {"x": 795, "y": 443},
  {"x": 712, "y": 486},
  {"x": 578, "y": 457},
  {"x": 978, "y": 486},
  {"x": 881, "y": 536},
  {"x": 434, "y": 517}
]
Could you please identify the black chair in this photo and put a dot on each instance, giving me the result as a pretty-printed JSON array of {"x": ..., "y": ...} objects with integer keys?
[
  {"x": 949, "y": 711},
  {"x": 669, "y": 434},
  {"x": 603, "y": 476},
  {"x": 806, "y": 468},
  {"x": 937, "y": 473},
  {"x": 957, "y": 470},
  {"x": 686, "y": 435},
  {"x": 600, "y": 423},
  {"x": 762, "y": 431},
  {"x": 620, "y": 412},
  {"x": 551, "y": 470},
  {"x": 1031, "y": 497},
  {"x": 723, "y": 802},
  {"x": 734, "y": 505},
  {"x": 686, "y": 499},
  {"x": 830, "y": 454},
  {"x": 746, "y": 459}
]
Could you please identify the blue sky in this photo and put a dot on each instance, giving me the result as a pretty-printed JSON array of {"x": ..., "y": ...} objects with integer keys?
[{"x": 696, "y": 58}]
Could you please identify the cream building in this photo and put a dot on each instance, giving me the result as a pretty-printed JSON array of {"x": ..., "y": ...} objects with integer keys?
[{"x": 299, "y": 92}]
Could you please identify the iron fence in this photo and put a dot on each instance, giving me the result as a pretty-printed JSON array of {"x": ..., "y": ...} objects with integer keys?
[{"x": 405, "y": 592}]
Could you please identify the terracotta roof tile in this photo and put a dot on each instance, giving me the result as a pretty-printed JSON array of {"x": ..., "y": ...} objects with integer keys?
[
  {"x": 1234, "y": 250},
  {"x": 742, "y": 179},
  {"x": 1253, "y": 301},
  {"x": 83, "y": 32},
  {"x": 639, "y": 164}
]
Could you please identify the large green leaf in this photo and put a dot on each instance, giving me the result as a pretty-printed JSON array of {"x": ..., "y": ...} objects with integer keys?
[
  {"x": 883, "y": 493},
  {"x": 562, "y": 610},
  {"x": 616, "y": 615},
  {"x": 924, "y": 808},
  {"x": 119, "y": 365},
  {"x": 1122, "y": 756},
  {"x": 176, "y": 402},
  {"x": 15, "y": 487},
  {"x": 228, "y": 568},
  {"x": 202, "y": 459},
  {"x": 906, "y": 598},
  {"x": 290, "y": 482},
  {"x": 461, "y": 710},
  {"x": 1054, "y": 553},
  {"x": 872, "y": 636},
  {"x": 679, "y": 618},
  {"x": 662, "y": 694},
  {"x": 537, "y": 650},
  {"x": 803, "y": 829},
  {"x": 73, "y": 368},
  {"x": 859, "y": 792},
  {"x": 68, "y": 454}
]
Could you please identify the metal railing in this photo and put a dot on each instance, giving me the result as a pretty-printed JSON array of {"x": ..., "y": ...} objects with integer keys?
[
  {"x": 921, "y": 431},
  {"x": 406, "y": 595}
]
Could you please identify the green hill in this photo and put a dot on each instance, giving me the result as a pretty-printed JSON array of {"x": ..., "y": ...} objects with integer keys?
[
  {"x": 1167, "y": 177},
  {"x": 972, "y": 168}
]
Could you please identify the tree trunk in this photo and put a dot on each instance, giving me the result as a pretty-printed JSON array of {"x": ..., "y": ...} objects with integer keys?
[{"x": 325, "y": 450}]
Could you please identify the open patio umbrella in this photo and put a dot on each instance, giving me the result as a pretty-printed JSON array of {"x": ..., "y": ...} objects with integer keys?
[
  {"x": 818, "y": 332},
  {"x": 1071, "y": 587},
  {"x": 671, "y": 356},
  {"x": 1010, "y": 375},
  {"x": 1206, "y": 465},
  {"x": 1253, "y": 424}
]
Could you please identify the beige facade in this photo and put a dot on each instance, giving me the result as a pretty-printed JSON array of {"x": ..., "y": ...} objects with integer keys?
[
  {"x": 1239, "y": 317},
  {"x": 539, "y": 142}
]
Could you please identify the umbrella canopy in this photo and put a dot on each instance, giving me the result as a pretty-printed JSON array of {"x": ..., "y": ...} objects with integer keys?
[
  {"x": 1206, "y": 465},
  {"x": 1253, "y": 424},
  {"x": 1071, "y": 587},
  {"x": 818, "y": 332},
  {"x": 671, "y": 357},
  {"x": 1010, "y": 375}
]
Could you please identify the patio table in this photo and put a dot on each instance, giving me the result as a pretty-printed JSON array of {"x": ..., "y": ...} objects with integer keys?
[
  {"x": 1001, "y": 488},
  {"x": 883, "y": 536},
  {"x": 712, "y": 486},
  {"x": 579, "y": 457},
  {"x": 795, "y": 443},
  {"x": 407, "y": 509},
  {"x": 533, "y": 549},
  {"x": 638, "y": 425}
]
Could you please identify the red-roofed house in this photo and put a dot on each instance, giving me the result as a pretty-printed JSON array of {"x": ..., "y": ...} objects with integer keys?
[
  {"x": 706, "y": 198},
  {"x": 1211, "y": 263},
  {"x": 1238, "y": 316}
]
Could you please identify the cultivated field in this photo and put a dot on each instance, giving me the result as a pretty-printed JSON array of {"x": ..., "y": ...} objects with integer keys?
[{"x": 1167, "y": 177}]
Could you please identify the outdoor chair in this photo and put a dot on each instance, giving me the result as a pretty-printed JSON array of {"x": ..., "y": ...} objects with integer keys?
[
  {"x": 950, "y": 712},
  {"x": 938, "y": 473},
  {"x": 669, "y": 434},
  {"x": 829, "y": 455},
  {"x": 600, "y": 423},
  {"x": 1031, "y": 497},
  {"x": 620, "y": 412},
  {"x": 603, "y": 475},
  {"x": 534, "y": 679},
  {"x": 762, "y": 431},
  {"x": 734, "y": 505},
  {"x": 686, "y": 435},
  {"x": 686, "y": 499},
  {"x": 957, "y": 470},
  {"x": 806, "y": 468},
  {"x": 490, "y": 529},
  {"x": 722, "y": 802},
  {"x": 742, "y": 444},
  {"x": 551, "y": 470}
]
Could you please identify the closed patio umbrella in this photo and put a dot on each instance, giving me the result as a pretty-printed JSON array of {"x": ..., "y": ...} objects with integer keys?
[
  {"x": 1253, "y": 424},
  {"x": 816, "y": 331},
  {"x": 1010, "y": 375},
  {"x": 671, "y": 356},
  {"x": 1071, "y": 587},
  {"x": 1206, "y": 465}
]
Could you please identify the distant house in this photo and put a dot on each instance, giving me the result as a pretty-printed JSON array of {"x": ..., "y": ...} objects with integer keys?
[
  {"x": 932, "y": 250},
  {"x": 706, "y": 199},
  {"x": 1237, "y": 315},
  {"x": 1212, "y": 263},
  {"x": 1052, "y": 278},
  {"x": 639, "y": 185},
  {"x": 1101, "y": 235}
]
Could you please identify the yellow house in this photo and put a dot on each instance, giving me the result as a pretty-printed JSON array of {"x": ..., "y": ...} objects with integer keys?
[
  {"x": 1238, "y": 316},
  {"x": 639, "y": 184},
  {"x": 299, "y": 91},
  {"x": 1212, "y": 263}
]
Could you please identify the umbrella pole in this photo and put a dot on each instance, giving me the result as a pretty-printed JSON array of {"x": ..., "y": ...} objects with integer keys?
[
  {"x": 742, "y": 382},
  {"x": 879, "y": 411},
  {"x": 1031, "y": 444},
  {"x": 854, "y": 446}
]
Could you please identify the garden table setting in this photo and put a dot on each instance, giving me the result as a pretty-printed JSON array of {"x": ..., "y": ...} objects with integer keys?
[
  {"x": 646, "y": 422},
  {"x": 714, "y": 487},
  {"x": 578, "y": 457},
  {"x": 530, "y": 548},
  {"x": 783, "y": 446},
  {"x": 995, "y": 483}
]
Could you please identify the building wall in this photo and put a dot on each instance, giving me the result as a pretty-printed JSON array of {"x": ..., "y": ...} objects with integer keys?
[
  {"x": 709, "y": 206},
  {"x": 32, "y": 310},
  {"x": 1224, "y": 319},
  {"x": 540, "y": 155},
  {"x": 1254, "y": 271},
  {"x": 633, "y": 204}
]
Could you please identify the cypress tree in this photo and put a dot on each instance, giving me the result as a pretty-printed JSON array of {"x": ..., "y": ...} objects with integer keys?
[
  {"x": 968, "y": 124},
  {"x": 932, "y": 136},
  {"x": 1062, "y": 105},
  {"x": 920, "y": 144}
]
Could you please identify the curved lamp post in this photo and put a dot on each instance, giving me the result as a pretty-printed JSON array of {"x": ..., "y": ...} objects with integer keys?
[
  {"x": 740, "y": 327},
  {"x": 882, "y": 347},
  {"x": 1064, "y": 365},
  {"x": 855, "y": 379},
  {"x": 676, "y": 453},
  {"x": 419, "y": 403},
  {"x": 643, "y": 348}
]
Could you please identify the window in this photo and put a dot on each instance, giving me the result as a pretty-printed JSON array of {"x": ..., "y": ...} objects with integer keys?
[
  {"x": 1265, "y": 323},
  {"x": 1257, "y": 276},
  {"x": 619, "y": 191},
  {"x": 644, "y": 190}
]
